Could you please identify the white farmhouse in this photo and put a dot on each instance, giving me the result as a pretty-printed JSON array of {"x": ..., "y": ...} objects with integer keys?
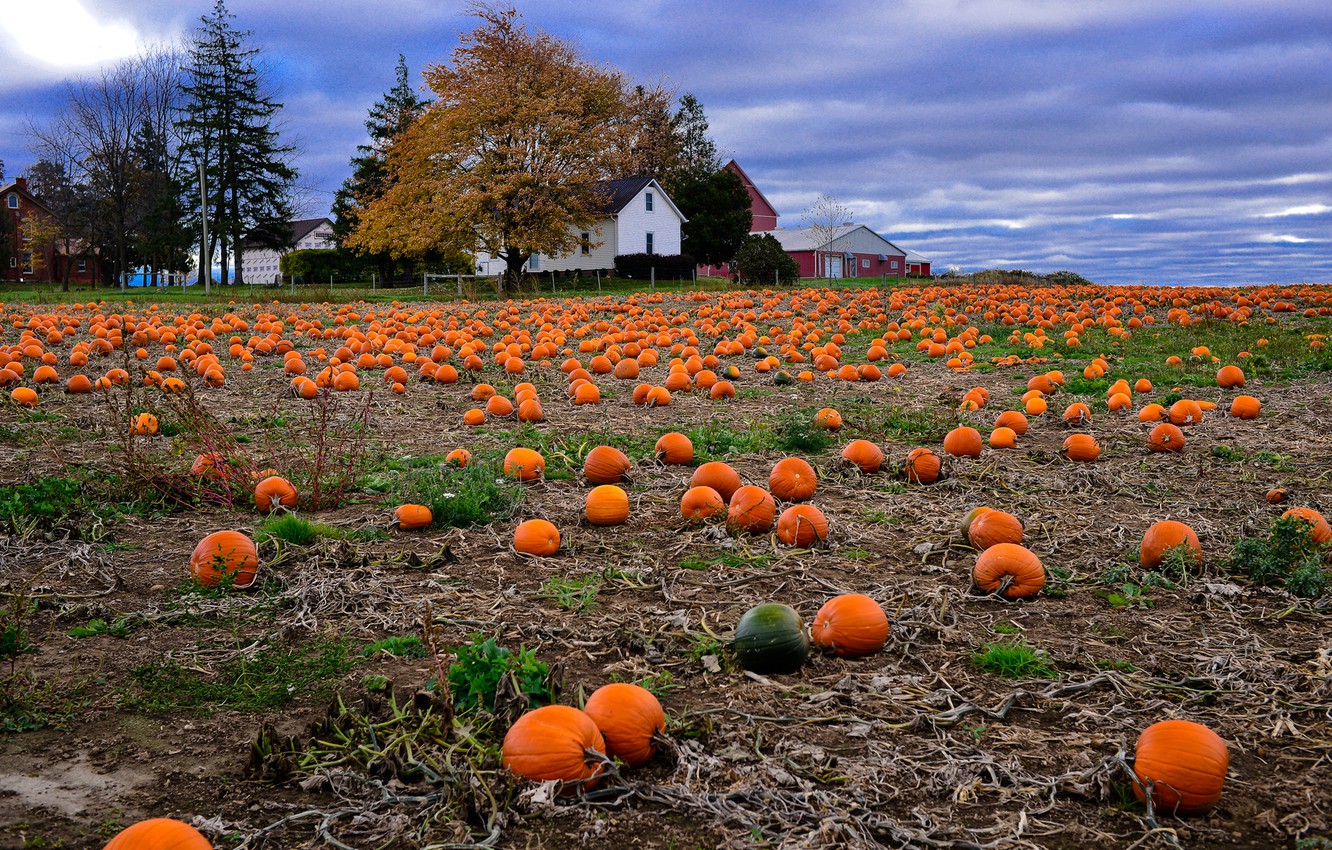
[
  {"x": 639, "y": 219},
  {"x": 261, "y": 265}
]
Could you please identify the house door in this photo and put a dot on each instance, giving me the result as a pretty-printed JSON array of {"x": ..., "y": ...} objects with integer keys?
[{"x": 834, "y": 262}]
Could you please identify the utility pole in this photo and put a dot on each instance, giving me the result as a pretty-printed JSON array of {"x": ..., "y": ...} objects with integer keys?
[{"x": 205, "y": 261}]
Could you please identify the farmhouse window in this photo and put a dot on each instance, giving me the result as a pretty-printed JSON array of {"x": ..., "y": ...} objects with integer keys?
[
  {"x": 649, "y": 244},
  {"x": 27, "y": 262},
  {"x": 648, "y": 200},
  {"x": 535, "y": 263},
  {"x": 864, "y": 264},
  {"x": 585, "y": 243},
  {"x": 893, "y": 264},
  {"x": 13, "y": 202},
  {"x": 13, "y": 262},
  {"x": 83, "y": 266}
]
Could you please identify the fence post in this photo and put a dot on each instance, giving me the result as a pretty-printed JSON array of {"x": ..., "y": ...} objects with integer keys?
[
  {"x": 652, "y": 272},
  {"x": 374, "y": 278},
  {"x": 598, "y": 280},
  {"x": 776, "y": 278},
  {"x": 293, "y": 283},
  {"x": 552, "y": 281},
  {"x": 425, "y": 283},
  {"x": 458, "y": 277}
]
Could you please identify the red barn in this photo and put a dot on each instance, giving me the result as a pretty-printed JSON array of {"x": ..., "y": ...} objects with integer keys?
[
  {"x": 852, "y": 251},
  {"x": 46, "y": 262},
  {"x": 764, "y": 213}
]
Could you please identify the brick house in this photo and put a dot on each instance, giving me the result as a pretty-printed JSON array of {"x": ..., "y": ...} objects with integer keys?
[{"x": 49, "y": 262}]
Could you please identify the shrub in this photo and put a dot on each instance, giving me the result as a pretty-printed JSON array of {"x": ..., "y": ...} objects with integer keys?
[
  {"x": 762, "y": 260},
  {"x": 666, "y": 266},
  {"x": 1287, "y": 557}
]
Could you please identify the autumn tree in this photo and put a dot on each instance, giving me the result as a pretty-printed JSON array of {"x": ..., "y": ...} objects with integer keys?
[
  {"x": 825, "y": 219},
  {"x": 371, "y": 177},
  {"x": 508, "y": 158}
]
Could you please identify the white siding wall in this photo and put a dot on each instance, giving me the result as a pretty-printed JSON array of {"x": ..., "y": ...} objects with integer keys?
[
  {"x": 262, "y": 266},
  {"x": 636, "y": 222},
  {"x": 602, "y": 256}
]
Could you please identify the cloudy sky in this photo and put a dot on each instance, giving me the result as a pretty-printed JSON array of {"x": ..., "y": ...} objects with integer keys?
[{"x": 1132, "y": 141}]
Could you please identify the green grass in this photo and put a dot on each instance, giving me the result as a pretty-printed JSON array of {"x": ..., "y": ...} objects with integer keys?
[
  {"x": 477, "y": 494},
  {"x": 796, "y": 432},
  {"x": 573, "y": 594},
  {"x": 1013, "y": 660},
  {"x": 402, "y": 646},
  {"x": 260, "y": 681},
  {"x": 290, "y": 528},
  {"x": 714, "y": 441}
]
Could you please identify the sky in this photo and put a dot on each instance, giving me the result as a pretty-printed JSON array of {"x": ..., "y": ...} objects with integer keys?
[{"x": 1130, "y": 141}]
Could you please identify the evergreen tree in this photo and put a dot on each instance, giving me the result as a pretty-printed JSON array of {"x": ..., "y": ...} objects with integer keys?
[
  {"x": 761, "y": 260},
  {"x": 371, "y": 178},
  {"x": 719, "y": 213},
  {"x": 229, "y": 122},
  {"x": 163, "y": 238},
  {"x": 698, "y": 156}
]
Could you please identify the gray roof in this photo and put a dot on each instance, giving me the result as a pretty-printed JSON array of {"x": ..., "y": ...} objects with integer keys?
[
  {"x": 817, "y": 239},
  {"x": 913, "y": 257}
]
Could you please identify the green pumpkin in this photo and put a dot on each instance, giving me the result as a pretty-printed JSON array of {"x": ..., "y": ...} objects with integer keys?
[
  {"x": 771, "y": 639},
  {"x": 759, "y": 352},
  {"x": 782, "y": 378},
  {"x": 732, "y": 373}
]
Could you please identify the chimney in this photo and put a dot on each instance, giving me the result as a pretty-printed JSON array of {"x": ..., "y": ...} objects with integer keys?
[{"x": 21, "y": 182}]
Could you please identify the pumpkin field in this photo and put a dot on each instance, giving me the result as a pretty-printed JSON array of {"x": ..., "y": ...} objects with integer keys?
[{"x": 970, "y": 566}]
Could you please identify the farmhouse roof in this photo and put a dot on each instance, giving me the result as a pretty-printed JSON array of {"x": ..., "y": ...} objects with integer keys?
[
  {"x": 625, "y": 189},
  {"x": 813, "y": 238},
  {"x": 299, "y": 230}
]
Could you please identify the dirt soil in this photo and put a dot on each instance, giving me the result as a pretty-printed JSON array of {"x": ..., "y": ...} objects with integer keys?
[{"x": 915, "y": 746}]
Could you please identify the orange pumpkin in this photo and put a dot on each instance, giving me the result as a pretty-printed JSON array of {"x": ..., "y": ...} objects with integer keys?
[
  {"x": 963, "y": 441},
  {"x": 1182, "y": 765},
  {"x": 1245, "y": 407},
  {"x": 536, "y": 537},
  {"x": 1077, "y": 413},
  {"x": 850, "y": 625},
  {"x": 24, "y": 396},
  {"x": 607, "y": 504},
  {"x": 1081, "y": 448},
  {"x": 1321, "y": 531},
  {"x": 413, "y": 517},
  {"x": 225, "y": 555},
  {"x": 701, "y": 503},
  {"x": 673, "y": 448},
  {"x": 1165, "y": 535},
  {"x": 605, "y": 465},
  {"x": 991, "y": 527},
  {"x": 524, "y": 464},
  {"x": 459, "y": 458},
  {"x": 1165, "y": 437},
  {"x": 793, "y": 480},
  {"x": 1014, "y": 419},
  {"x": 630, "y": 718},
  {"x": 718, "y": 475},
  {"x": 1230, "y": 376},
  {"x": 1009, "y": 569},
  {"x": 555, "y": 742},
  {"x": 828, "y": 419},
  {"x": 802, "y": 526},
  {"x": 1003, "y": 438},
  {"x": 922, "y": 466},
  {"x": 864, "y": 455},
  {"x": 159, "y": 834},
  {"x": 275, "y": 492},
  {"x": 751, "y": 509}
]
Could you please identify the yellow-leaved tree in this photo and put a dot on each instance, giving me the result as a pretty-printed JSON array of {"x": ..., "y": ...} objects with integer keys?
[{"x": 508, "y": 158}]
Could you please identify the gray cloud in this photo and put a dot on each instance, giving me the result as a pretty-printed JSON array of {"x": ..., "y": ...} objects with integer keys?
[{"x": 1129, "y": 141}]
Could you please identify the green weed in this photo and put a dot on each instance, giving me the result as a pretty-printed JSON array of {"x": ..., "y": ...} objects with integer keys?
[
  {"x": 120, "y": 627},
  {"x": 477, "y": 494},
  {"x": 1014, "y": 660},
  {"x": 573, "y": 594},
  {"x": 1287, "y": 557},
  {"x": 475, "y": 676},
  {"x": 402, "y": 646}
]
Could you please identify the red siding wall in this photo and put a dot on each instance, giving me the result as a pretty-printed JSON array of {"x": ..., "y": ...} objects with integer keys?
[
  {"x": 53, "y": 267},
  {"x": 877, "y": 268}
]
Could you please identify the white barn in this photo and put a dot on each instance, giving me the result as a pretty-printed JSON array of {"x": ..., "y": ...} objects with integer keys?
[
  {"x": 639, "y": 219},
  {"x": 261, "y": 265}
]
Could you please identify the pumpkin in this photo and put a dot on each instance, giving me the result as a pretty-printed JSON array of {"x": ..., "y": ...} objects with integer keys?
[
  {"x": 802, "y": 526},
  {"x": 1077, "y": 413},
  {"x": 864, "y": 455},
  {"x": 1321, "y": 531},
  {"x": 1152, "y": 413},
  {"x": 828, "y": 419},
  {"x": 718, "y": 475},
  {"x": 850, "y": 625},
  {"x": 1182, "y": 765},
  {"x": 1185, "y": 412},
  {"x": 673, "y": 448},
  {"x": 24, "y": 396},
  {"x": 922, "y": 466},
  {"x": 793, "y": 480},
  {"x": 1163, "y": 536},
  {"x": 992, "y": 527},
  {"x": 605, "y": 465},
  {"x": 412, "y": 517},
  {"x": 751, "y": 509},
  {"x": 1014, "y": 419},
  {"x": 1230, "y": 376},
  {"x": 1276, "y": 495},
  {"x": 770, "y": 638},
  {"x": 701, "y": 503},
  {"x": 143, "y": 425},
  {"x": 537, "y": 537},
  {"x": 159, "y": 834},
  {"x": 555, "y": 742},
  {"x": 225, "y": 555},
  {"x": 630, "y": 718},
  {"x": 607, "y": 504},
  {"x": 1165, "y": 437},
  {"x": 459, "y": 458},
  {"x": 524, "y": 464},
  {"x": 1245, "y": 407},
  {"x": 1081, "y": 448},
  {"x": 275, "y": 492},
  {"x": 78, "y": 384},
  {"x": 1003, "y": 438},
  {"x": 963, "y": 441},
  {"x": 1009, "y": 569}
]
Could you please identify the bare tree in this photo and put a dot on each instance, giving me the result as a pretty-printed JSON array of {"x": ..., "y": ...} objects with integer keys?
[{"x": 825, "y": 220}]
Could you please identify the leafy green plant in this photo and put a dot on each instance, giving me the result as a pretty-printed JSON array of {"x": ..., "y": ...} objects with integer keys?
[
  {"x": 1287, "y": 557},
  {"x": 120, "y": 627},
  {"x": 403, "y": 646},
  {"x": 1229, "y": 454},
  {"x": 288, "y": 528},
  {"x": 1014, "y": 660},
  {"x": 1129, "y": 595},
  {"x": 475, "y": 676},
  {"x": 573, "y": 594},
  {"x": 798, "y": 433},
  {"x": 476, "y": 494}
]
